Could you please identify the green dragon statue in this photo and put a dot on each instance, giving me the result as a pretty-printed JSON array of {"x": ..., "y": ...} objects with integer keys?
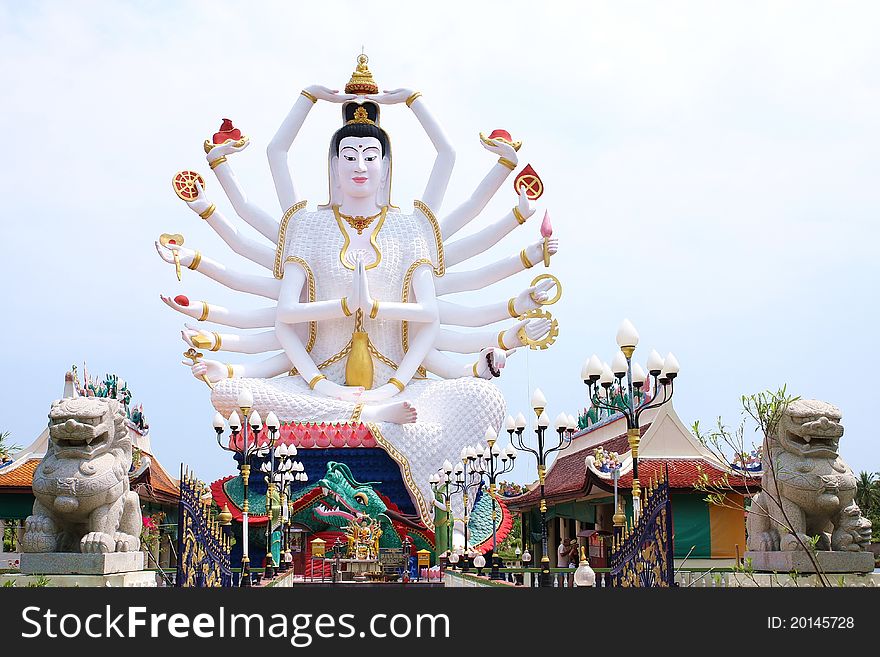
[{"x": 337, "y": 499}]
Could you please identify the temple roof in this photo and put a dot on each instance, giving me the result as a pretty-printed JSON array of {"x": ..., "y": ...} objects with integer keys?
[
  {"x": 665, "y": 442},
  {"x": 18, "y": 474}
]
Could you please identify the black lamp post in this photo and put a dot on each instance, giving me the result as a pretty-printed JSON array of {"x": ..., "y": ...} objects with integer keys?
[
  {"x": 268, "y": 467},
  {"x": 600, "y": 379},
  {"x": 515, "y": 427},
  {"x": 245, "y": 450},
  {"x": 467, "y": 481},
  {"x": 497, "y": 462},
  {"x": 288, "y": 471}
]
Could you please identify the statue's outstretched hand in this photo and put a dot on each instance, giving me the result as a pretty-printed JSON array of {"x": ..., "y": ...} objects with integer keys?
[
  {"x": 227, "y": 148},
  {"x": 201, "y": 203},
  {"x": 190, "y": 332},
  {"x": 534, "y": 328},
  {"x": 214, "y": 370},
  {"x": 535, "y": 251},
  {"x": 391, "y": 96},
  {"x": 525, "y": 206},
  {"x": 491, "y": 361},
  {"x": 189, "y": 311},
  {"x": 500, "y": 148},
  {"x": 531, "y": 297},
  {"x": 330, "y": 95},
  {"x": 167, "y": 253}
]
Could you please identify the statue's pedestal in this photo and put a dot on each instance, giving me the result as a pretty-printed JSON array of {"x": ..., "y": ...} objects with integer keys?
[
  {"x": 138, "y": 579},
  {"x": 75, "y": 563},
  {"x": 829, "y": 562}
]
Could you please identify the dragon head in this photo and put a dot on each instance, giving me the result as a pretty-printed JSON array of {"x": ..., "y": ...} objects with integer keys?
[
  {"x": 346, "y": 499},
  {"x": 85, "y": 427},
  {"x": 810, "y": 428}
]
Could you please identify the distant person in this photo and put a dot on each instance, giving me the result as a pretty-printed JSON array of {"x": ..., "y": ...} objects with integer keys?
[{"x": 562, "y": 558}]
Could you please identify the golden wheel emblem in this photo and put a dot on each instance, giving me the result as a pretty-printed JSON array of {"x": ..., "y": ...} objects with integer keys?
[
  {"x": 529, "y": 179},
  {"x": 548, "y": 339},
  {"x": 184, "y": 184},
  {"x": 555, "y": 298}
]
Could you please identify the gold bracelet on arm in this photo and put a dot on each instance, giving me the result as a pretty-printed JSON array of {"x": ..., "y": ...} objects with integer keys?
[
  {"x": 374, "y": 310},
  {"x": 311, "y": 97},
  {"x": 511, "y": 308},
  {"x": 474, "y": 368},
  {"x": 207, "y": 212},
  {"x": 230, "y": 372},
  {"x": 315, "y": 380},
  {"x": 197, "y": 259},
  {"x": 501, "y": 341},
  {"x": 205, "y": 310},
  {"x": 345, "y": 310},
  {"x": 218, "y": 341},
  {"x": 507, "y": 163},
  {"x": 528, "y": 264},
  {"x": 216, "y": 163},
  {"x": 396, "y": 383},
  {"x": 412, "y": 99},
  {"x": 520, "y": 219}
]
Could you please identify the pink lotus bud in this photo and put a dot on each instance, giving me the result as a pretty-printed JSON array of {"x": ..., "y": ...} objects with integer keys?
[{"x": 546, "y": 226}]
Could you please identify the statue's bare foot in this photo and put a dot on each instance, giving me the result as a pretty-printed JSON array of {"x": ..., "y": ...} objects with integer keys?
[
  {"x": 396, "y": 412},
  {"x": 97, "y": 542}
]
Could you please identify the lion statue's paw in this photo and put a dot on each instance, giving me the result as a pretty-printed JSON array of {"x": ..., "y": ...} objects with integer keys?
[
  {"x": 126, "y": 542},
  {"x": 39, "y": 534},
  {"x": 96, "y": 543}
]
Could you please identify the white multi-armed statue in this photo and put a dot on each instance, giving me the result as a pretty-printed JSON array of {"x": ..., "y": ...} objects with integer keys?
[{"x": 357, "y": 315}]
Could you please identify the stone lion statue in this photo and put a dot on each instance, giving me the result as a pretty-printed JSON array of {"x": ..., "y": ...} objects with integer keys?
[
  {"x": 807, "y": 489},
  {"x": 83, "y": 501}
]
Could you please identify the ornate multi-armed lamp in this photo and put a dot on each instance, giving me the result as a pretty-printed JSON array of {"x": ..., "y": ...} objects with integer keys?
[
  {"x": 497, "y": 461},
  {"x": 249, "y": 428},
  {"x": 600, "y": 379},
  {"x": 565, "y": 426}
]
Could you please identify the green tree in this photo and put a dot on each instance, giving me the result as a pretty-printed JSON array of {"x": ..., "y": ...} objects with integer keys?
[
  {"x": 868, "y": 492},
  {"x": 6, "y": 448}
]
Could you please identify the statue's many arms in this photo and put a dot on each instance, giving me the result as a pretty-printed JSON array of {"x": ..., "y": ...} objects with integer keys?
[{"x": 357, "y": 316}]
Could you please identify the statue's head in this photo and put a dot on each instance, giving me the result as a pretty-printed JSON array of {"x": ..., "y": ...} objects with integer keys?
[
  {"x": 360, "y": 157},
  {"x": 811, "y": 429},
  {"x": 84, "y": 427}
]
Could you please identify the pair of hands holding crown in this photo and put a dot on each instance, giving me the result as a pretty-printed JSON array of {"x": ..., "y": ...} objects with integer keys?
[{"x": 387, "y": 97}]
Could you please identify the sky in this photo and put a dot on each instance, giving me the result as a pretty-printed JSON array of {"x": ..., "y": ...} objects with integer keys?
[{"x": 710, "y": 169}]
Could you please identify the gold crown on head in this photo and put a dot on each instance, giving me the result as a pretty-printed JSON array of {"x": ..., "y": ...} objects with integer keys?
[{"x": 361, "y": 82}]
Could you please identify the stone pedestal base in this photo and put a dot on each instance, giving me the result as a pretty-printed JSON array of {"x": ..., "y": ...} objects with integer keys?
[
  {"x": 829, "y": 562},
  {"x": 140, "y": 579},
  {"x": 75, "y": 563}
]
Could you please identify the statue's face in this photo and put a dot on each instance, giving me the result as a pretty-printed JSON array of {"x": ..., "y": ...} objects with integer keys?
[{"x": 359, "y": 167}]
